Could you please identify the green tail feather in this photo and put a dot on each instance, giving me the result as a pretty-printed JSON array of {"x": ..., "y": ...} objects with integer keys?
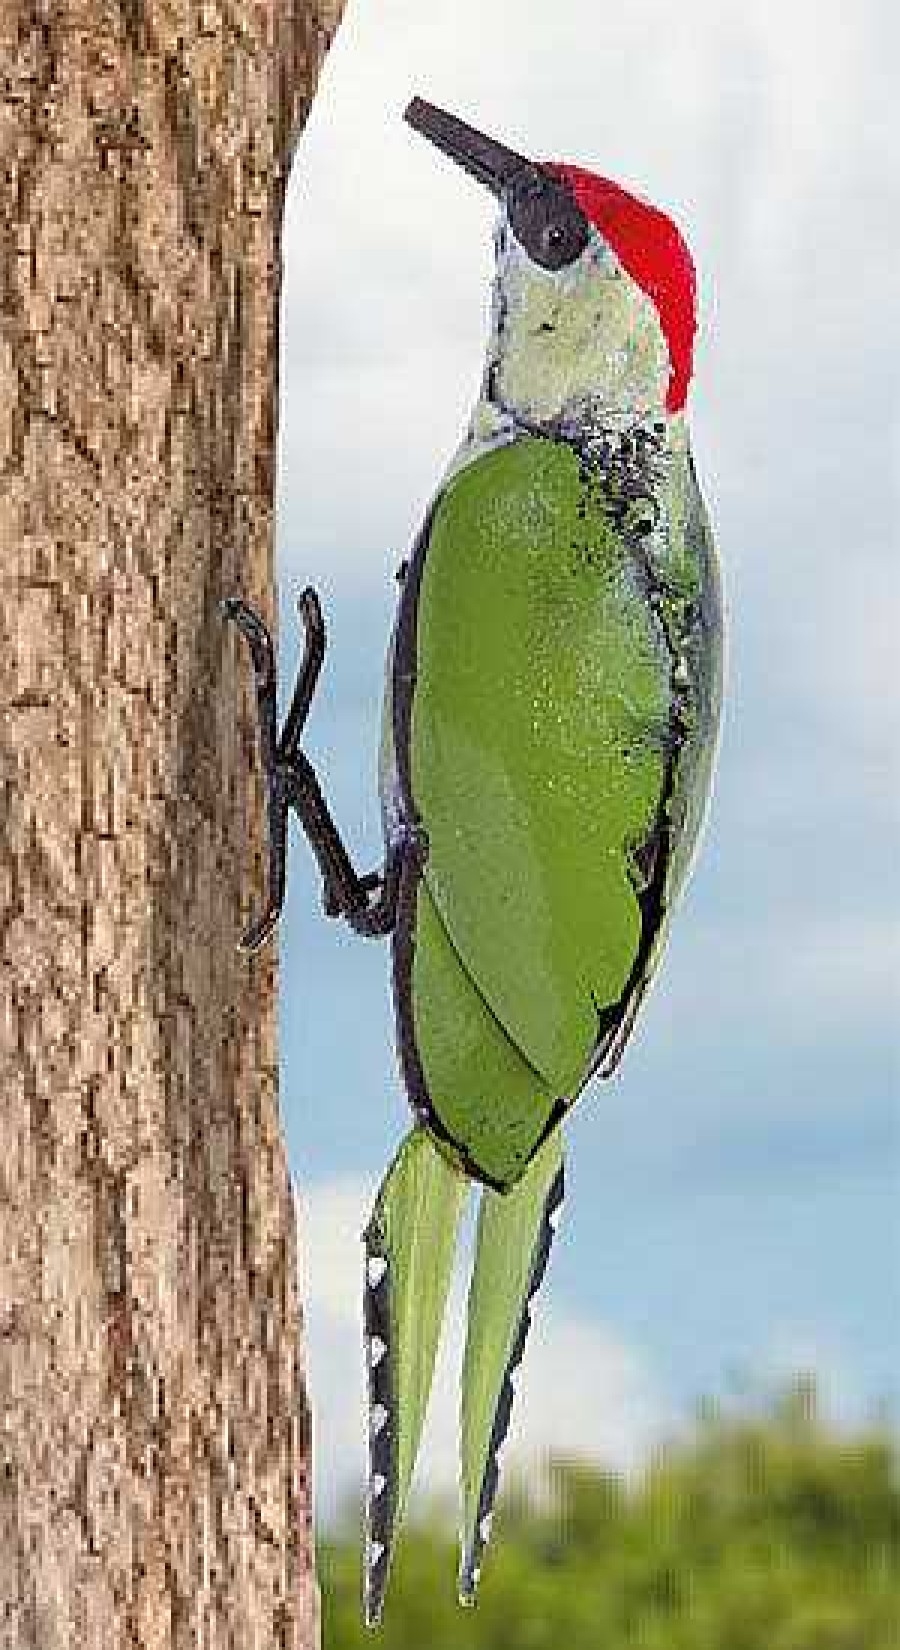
[
  {"x": 409, "y": 1243},
  {"x": 515, "y": 1231}
]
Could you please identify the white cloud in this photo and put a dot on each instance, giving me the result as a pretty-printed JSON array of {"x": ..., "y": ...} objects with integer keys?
[
  {"x": 330, "y": 1220},
  {"x": 795, "y": 1349},
  {"x": 582, "y": 1390},
  {"x": 377, "y": 494}
]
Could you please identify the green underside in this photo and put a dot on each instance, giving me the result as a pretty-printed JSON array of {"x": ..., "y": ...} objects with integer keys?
[
  {"x": 491, "y": 1100},
  {"x": 537, "y": 765}
]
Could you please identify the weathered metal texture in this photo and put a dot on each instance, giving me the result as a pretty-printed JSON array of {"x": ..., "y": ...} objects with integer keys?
[{"x": 154, "y": 1482}]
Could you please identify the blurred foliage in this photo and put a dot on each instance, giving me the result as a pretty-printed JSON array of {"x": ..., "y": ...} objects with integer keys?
[{"x": 770, "y": 1532}]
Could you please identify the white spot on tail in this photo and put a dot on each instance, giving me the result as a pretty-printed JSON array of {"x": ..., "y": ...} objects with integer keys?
[
  {"x": 377, "y": 1350},
  {"x": 378, "y": 1420},
  {"x": 377, "y": 1485},
  {"x": 376, "y": 1267}
]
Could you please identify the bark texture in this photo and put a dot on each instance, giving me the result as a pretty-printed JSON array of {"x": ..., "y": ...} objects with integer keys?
[{"x": 154, "y": 1439}]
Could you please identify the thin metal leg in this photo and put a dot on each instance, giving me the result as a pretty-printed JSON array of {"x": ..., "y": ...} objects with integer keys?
[
  {"x": 314, "y": 625},
  {"x": 379, "y": 915},
  {"x": 256, "y": 934},
  {"x": 291, "y": 782},
  {"x": 260, "y": 643}
]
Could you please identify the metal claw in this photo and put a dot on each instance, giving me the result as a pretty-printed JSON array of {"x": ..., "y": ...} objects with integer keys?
[
  {"x": 291, "y": 782},
  {"x": 310, "y": 612},
  {"x": 262, "y": 655}
]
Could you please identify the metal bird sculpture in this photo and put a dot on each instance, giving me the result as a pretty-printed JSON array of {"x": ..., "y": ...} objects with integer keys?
[{"x": 550, "y": 724}]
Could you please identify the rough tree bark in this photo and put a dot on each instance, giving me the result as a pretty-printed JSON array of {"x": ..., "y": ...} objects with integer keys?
[{"x": 154, "y": 1446}]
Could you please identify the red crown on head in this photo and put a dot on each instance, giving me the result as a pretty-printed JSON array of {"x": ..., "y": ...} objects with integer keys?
[{"x": 654, "y": 253}]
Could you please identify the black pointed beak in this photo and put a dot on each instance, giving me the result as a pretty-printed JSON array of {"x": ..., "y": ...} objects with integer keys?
[
  {"x": 483, "y": 157},
  {"x": 543, "y": 213}
]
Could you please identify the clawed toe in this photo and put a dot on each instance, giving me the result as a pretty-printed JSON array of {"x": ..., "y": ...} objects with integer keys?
[
  {"x": 257, "y": 635},
  {"x": 369, "y": 902},
  {"x": 255, "y": 935}
]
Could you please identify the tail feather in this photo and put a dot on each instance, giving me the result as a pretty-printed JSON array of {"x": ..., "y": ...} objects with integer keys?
[
  {"x": 515, "y": 1232},
  {"x": 409, "y": 1248}
]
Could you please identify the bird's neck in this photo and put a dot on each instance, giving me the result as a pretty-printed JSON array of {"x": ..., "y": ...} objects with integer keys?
[
  {"x": 583, "y": 350},
  {"x": 594, "y": 426}
]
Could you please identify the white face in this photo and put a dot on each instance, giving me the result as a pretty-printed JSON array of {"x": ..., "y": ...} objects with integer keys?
[{"x": 577, "y": 337}]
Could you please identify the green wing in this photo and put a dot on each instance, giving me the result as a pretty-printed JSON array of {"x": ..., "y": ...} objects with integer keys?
[
  {"x": 688, "y": 592},
  {"x": 515, "y": 1231},
  {"x": 539, "y": 731},
  {"x": 693, "y": 608},
  {"x": 559, "y": 768},
  {"x": 493, "y": 1104},
  {"x": 409, "y": 1247}
]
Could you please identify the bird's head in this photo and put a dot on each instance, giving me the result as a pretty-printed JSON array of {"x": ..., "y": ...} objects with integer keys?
[{"x": 595, "y": 299}]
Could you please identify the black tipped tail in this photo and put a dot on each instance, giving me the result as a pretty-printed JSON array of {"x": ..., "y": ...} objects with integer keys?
[
  {"x": 515, "y": 1234},
  {"x": 409, "y": 1248},
  {"x": 380, "y": 1500}
]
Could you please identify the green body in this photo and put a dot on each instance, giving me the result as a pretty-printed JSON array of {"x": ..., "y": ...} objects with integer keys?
[
  {"x": 565, "y": 622},
  {"x": 550, "y": 725}
]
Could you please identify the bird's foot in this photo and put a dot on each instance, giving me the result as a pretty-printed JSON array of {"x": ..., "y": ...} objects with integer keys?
[{"x": 291, "y": 782}]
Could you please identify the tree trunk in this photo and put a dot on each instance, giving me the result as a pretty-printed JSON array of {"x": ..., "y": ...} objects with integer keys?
[{"x": 154, "y": 1452}]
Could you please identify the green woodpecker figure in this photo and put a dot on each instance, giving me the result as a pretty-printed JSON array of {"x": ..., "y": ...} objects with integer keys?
[{"x": 550, "y": 724}]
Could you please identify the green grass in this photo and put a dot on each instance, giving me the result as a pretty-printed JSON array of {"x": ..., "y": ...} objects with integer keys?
[{"x": 757, "y": 1533}]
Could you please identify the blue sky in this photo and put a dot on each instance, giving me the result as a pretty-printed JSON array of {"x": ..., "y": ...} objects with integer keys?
[{"x": 732, "y": 1197}]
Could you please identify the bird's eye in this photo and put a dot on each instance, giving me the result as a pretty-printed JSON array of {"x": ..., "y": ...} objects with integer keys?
[{"x": 546, "y": 221}]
